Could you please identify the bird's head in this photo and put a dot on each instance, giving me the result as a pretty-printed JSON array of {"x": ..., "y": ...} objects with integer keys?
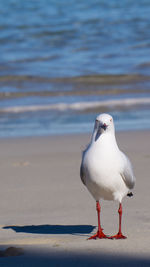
[{"x": 103, "y": 124}]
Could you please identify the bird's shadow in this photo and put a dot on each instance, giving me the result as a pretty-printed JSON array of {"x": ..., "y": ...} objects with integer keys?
[{"x": 52, "y": 229}]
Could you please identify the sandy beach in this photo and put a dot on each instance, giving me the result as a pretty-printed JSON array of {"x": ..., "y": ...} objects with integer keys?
[{"x": 48, "y": 213}]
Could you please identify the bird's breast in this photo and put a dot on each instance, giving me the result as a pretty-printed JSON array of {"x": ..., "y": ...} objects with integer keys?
[
  {"x": 102, "y": 171},
  {"x": 100, "y": 167}
]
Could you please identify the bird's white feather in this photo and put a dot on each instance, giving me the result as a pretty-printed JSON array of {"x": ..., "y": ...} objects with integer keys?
[{"x": 105, "y": 170}]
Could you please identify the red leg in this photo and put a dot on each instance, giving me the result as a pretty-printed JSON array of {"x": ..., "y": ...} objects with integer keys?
[
  {"x": 119, "y": 235},
  {"x": 99, "y": 233}
]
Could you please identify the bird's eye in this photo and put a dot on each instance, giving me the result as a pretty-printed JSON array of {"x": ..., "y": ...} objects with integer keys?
[{"x": 110, "y": 119}]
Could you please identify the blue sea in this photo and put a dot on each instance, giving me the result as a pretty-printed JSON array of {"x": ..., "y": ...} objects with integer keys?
[{"x": 64, "y": 62}]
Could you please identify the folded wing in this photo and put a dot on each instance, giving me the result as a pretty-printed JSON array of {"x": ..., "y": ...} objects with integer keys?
[{"x": 127, "y": 173}]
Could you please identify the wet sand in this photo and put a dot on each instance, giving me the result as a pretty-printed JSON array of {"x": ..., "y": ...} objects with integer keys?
[{"x": 47, "y": 211}]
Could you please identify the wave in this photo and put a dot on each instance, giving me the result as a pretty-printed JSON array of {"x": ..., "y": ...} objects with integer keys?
[
  {"x": 92, "y": 79},
  {"x": 78, "y": 106}
]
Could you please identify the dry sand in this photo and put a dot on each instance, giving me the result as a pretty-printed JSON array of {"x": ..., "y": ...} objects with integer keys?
[{"x": 46, "y": 210}]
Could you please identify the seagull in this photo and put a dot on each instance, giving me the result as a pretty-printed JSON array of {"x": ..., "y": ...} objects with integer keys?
[{"x": 106, "y": 171}]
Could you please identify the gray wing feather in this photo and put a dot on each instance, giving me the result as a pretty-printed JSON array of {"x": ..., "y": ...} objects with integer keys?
[
  {"x": 127, "y": 173},
  {"x": 82, "y": 173},
  {"x": 82, "y": 168}
]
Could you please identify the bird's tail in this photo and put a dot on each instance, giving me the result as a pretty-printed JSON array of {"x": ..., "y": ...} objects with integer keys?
[{"x": 130, "y": 194}]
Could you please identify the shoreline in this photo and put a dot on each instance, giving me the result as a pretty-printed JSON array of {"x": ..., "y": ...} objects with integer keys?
[{"x": 65, "y": 135}]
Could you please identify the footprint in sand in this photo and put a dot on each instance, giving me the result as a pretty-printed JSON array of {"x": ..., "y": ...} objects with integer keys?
[
  {"x": 11, "y": 251},
  {"x": 21, "y": 164}
]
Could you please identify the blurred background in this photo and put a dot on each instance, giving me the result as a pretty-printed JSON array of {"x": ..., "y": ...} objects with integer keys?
[{"x": 63, "y": 62}]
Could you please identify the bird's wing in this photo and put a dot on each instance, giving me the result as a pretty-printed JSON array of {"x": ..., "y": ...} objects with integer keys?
[
  {"x": 127, "y": 173},
  {"x": 82, "y": 173},
  {"x": 82, "y": 168}
]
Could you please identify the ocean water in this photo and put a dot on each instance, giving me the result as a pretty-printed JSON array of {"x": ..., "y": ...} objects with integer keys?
[{"x": 62, "y": 63}]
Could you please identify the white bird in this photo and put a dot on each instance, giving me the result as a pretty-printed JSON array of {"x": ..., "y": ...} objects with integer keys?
[{"x": 105, "y": 170}]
